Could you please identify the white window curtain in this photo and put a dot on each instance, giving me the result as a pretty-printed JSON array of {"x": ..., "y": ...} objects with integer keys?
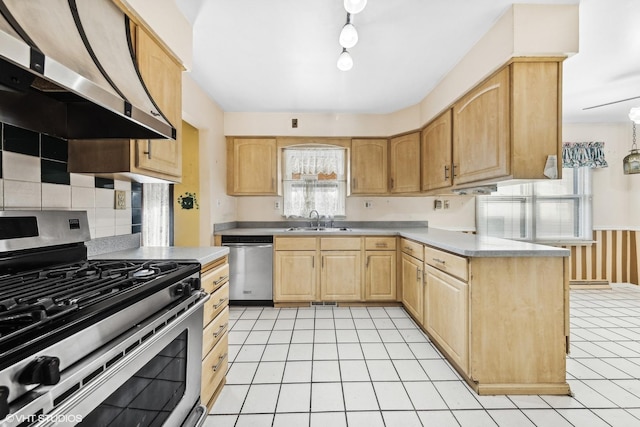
[
  {"x": 156, "y": 215},
  {"x": 314, "y": 179}
]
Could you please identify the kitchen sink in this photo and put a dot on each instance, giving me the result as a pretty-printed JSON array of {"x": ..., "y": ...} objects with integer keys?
[{"x": 319, "y": 229}]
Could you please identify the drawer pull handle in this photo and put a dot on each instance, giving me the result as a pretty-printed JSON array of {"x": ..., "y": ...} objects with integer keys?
[
  {"x": 220, "y": 360},
  {"x": 440, "y": 261},
  {"x": 381, "y": 245},
  {"x": 219, "y": 304},
  {"x": 407, "y": 248},
  {"x": 220, "y": 280},
  {"x": 219, "y": 331},
  {"x": 419, "y": 275}
]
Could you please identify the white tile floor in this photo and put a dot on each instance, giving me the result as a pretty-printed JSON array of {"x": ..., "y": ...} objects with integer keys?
[{"x": 373, "y": 367}]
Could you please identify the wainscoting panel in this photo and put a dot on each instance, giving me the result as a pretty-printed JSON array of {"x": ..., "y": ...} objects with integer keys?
[{"x": 612, "y": 258}]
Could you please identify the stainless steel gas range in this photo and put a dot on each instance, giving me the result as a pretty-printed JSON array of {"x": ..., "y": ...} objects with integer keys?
[{"x": 95, "y": 343}]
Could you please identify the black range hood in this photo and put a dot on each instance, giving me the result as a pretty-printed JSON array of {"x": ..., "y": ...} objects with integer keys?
[{"x": 67, "y": 69}]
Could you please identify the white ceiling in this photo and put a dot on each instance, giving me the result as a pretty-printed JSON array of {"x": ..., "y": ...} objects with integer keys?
[{"x": 280, "y": 55}]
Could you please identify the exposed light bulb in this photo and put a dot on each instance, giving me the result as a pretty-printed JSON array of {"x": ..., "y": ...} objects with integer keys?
[
  {"x": 348, "y": 36},
  {"x": 345, "y": 61},
  {"x": 354, "y": 6},
  {"x": 634, "y": 113}
]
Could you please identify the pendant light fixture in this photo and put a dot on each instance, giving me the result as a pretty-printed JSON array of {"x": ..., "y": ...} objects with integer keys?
[
  {"x": 345, "y": 61},
  {"x": 354, "y": 6},
  {"x": 349, "y": 34},
  {"x": 631, "y": 163}
]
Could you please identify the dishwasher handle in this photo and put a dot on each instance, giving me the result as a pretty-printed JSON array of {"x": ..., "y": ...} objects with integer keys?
[{"x": 247, "y": 245}]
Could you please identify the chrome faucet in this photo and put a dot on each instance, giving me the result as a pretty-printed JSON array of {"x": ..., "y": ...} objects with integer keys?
[{"x": 317, "y": 218}]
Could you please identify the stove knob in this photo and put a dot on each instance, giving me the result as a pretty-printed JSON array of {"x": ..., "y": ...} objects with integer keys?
[
  {"x": 182, "y": 288},
  {"x": 4, "y": 402},
  {"x": 195, "y": 283},
  {"x": 44, "y": 370}
]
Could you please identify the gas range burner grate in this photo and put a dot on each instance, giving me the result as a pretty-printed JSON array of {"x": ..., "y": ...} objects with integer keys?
[{"x": 31, "y": 299}]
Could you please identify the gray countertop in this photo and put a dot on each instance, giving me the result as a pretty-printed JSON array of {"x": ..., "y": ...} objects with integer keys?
[
  {"x": 203, "y": 255},
  {"x": 464, "y": 244}
]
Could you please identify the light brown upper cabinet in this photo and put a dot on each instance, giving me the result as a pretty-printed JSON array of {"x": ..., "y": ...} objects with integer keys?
[
  {"x": 404, "y": 165},
  {"x": 142, "y": 159},
  {"x": 164, "y": 82},
  {"x": 251, "y": 166},
  {"x": 507, "y": 126},
  {"x": 481, "y": 131},
  {"x": 436, "y": 153},
  {"x": 369, "y": 163}
]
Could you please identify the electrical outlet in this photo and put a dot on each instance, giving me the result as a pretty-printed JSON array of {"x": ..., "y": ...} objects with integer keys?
[
  {"x": 121, "y": 199},
  {"x": 276, "y": 205},
  {"x": 294, "y": 123},
  {"x": 437, "y": 204},
  {"x": 446, "y": 204},
  {"x": 368, "y": 204}
]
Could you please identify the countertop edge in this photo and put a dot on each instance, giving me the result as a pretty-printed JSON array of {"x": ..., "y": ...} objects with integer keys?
[
  {"x": 202, "y": 254},
  {"x": 457, "y": 242}
]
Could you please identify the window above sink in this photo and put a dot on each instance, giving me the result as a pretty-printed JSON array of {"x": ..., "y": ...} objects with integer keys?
[{"x": 314, "y": 178}]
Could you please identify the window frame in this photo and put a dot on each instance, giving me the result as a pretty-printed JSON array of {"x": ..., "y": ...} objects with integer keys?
[{"x": 530, "y": 195}]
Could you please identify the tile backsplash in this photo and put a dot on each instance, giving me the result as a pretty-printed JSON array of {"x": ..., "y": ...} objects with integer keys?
[{"x": 33, "y": 175}]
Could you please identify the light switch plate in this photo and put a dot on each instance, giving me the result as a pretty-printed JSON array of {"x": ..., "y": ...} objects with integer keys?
[{"x": 121, "y": 199}]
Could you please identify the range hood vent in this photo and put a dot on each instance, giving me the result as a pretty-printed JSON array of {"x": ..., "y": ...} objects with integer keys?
[{"x": 68, "y": 69}]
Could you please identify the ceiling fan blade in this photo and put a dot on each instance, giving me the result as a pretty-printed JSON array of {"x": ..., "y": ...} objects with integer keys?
[{"x": 611, "y": 103}]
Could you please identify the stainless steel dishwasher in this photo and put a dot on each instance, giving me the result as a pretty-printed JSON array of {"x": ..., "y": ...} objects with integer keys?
[{"x": 250, "y": 269}]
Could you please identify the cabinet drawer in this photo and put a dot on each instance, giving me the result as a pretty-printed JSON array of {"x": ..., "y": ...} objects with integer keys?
[
  {"x": 340, "y": 244},
  {"x": 453, "y": 264},
  {"x": 295, "y": 243},
  {"x": 214, "y": 331},
  {"x": 212, "y": 280},
  {"x": 412, "y": 248},
  {"x": 214, "y": 368},
  {"x": 218, "y": 301},
  {"x": 379, "y": 243}
]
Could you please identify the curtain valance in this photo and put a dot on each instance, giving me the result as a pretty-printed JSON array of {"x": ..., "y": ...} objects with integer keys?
[{"x": 579, "y": 154}]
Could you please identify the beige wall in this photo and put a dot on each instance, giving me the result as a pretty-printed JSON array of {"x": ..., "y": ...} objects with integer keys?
[
  {"x": 201, "y": 112},
  {"x": 459, "y": 216},
  {"x": 616, "y": 197}
]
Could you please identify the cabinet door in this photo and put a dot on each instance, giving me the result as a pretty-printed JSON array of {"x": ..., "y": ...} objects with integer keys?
[
  {"x": 295, "y": 276},
  {"x": 340, "y": 276},
  {"x": 163, "y": 78},
  {"x": 252, "y": 166},
  {"x": 481, "y": 132},
  {"x": 369, "y": 164},
  {"x": 446, "y": 315},
  {"x": 405, "y": 163},
  {"x": 380, "y": 276},
  {"x": 412, "y": 287},
  {"x": 436, "y": 153}
]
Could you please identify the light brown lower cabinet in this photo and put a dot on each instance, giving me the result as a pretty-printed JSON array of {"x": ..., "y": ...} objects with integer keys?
[
  {"x": 502, "y": 322},
  {"x": 340, "y": 278},
  {"x": 335, "y": 269},
  {"x": 446, "y": 314},
  {"x": 412, "y": 285},
  {"x": 380, "y": 276},
  {"x": 295, "y": 275},
  {"x": 215, "y": 349}
]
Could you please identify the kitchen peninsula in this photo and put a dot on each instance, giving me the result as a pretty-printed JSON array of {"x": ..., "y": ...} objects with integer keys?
[{"x": 497, "y": 309}]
